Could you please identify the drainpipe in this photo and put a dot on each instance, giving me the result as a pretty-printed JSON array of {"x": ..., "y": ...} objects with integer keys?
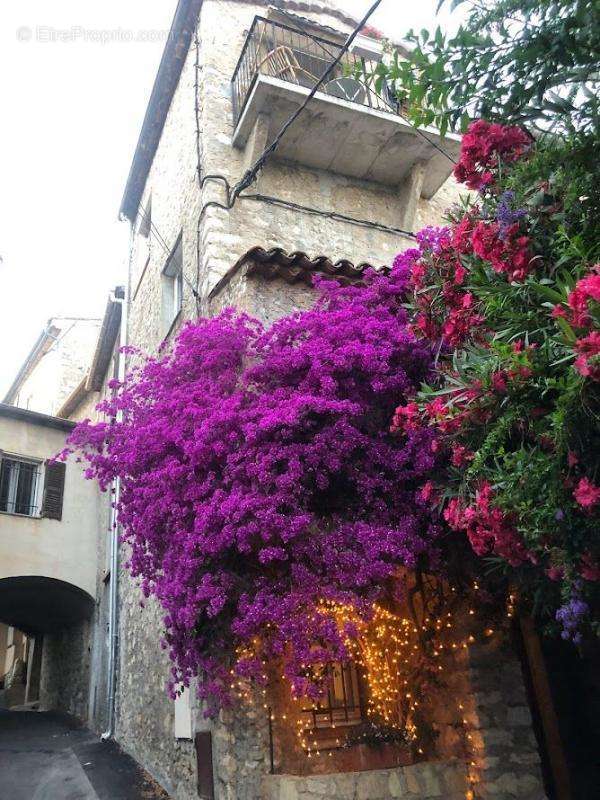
[
  {"x": 113, "y": 599},
  {"x": 113, "y": 621}
]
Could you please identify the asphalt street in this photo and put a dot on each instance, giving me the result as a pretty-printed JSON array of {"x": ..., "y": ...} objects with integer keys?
[{"x": 48, "y": 756}]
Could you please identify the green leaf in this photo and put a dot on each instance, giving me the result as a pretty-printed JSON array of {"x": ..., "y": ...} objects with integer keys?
[
  {"x": 567, "y": 329},
  {"x": 545, "y": 291}
]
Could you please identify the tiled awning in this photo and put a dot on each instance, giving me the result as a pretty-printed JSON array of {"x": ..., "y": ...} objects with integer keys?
[{"x": 295, "y": 267}]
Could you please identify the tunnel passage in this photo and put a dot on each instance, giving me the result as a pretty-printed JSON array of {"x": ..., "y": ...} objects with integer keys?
[{"x": 37, "y": 604}]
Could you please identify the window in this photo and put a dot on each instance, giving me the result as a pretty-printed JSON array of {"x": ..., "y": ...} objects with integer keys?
[
  {"x": 19, "y": 486},
  {"x": 142, "y": 240},
  {"x": 172, "y": 279},
  {"x": 145, "y": 219},
  {"x": 342, "y": 704}
]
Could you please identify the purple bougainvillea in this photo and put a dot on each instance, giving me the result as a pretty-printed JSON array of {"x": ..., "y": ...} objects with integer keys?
[{"x": 259, "y": 476}]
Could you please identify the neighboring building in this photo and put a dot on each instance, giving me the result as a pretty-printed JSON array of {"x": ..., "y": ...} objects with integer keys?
[
  {"x": 56, "y": 529},
  {"x": 55, "y": 365},
  {"x": 14, "y": 658},
  {"x": 346, "y": 186},
  {"x": 48, "y": 519}
]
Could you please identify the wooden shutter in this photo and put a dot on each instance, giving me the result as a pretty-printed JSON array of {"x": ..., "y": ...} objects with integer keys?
[
  {"x": 204, "y": 761},
  {"x": 54, "y": 487}
]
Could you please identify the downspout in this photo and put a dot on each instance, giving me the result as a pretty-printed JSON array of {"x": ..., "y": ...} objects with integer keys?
[
  {"x": 113, "y": 621},
  {"x": 113, "y": 599}
]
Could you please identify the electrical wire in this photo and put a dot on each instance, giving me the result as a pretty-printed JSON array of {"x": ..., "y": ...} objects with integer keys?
[
  {"x": 161, "y": 241},
  {"x": 334, "y": 215},
  {"x": 369, "y": 89}
]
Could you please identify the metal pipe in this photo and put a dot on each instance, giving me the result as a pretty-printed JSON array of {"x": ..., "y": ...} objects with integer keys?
[{"x": 113, "y": 599}]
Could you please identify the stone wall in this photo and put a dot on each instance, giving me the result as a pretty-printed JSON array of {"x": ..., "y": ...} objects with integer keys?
[
  {"x": 506, "y": 751},
  {"x": 145, "y": 713},
  {"x": 240, "y": 751},
  {"x": 64, "y": 681},
  {"x": 443, "y": 780}
]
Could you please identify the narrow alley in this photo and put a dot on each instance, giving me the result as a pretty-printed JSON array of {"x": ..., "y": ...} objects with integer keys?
[{"x": 48, "y": 756}]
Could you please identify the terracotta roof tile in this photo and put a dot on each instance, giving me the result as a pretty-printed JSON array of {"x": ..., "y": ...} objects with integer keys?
[{"x": 294, "y": 267}]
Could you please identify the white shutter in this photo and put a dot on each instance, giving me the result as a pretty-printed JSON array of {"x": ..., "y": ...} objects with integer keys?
[{"x": 183, "y": 716}]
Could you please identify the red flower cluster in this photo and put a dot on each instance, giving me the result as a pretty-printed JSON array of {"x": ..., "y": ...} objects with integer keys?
[
  {"x": 587, "y": 494},
  {"x": 445, "y": 309},
  {"x": 577, "y": 312},
  {"x": 587, "y": 362},
  {"x": 483, "y": 146},
  {"x": 489, "y": 529},
  {"x": 447, "y": 417},
  {"x": 509, "y": 254},
  {"x": 590, "y": 285}
]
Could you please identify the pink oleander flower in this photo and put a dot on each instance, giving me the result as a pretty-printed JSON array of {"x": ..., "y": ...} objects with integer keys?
[
  {"x": 461, "y": 455},
  {"x": 588, "y": 349},
  {"x": 590, "y": 285},
  {"x": 587, "y": 494},
  {"x": 498, "y": 381},
  {"x": 483, "y": 146},
  {"x": 508, "y": 254},
  {"x": 488, "y": 528}
]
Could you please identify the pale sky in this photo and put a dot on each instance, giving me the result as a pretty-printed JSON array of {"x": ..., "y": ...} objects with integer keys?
[{"x": 75, "y": 80}]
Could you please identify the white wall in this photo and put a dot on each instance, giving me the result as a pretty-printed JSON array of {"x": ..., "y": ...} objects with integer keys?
[{"x": 66, "y": 549}]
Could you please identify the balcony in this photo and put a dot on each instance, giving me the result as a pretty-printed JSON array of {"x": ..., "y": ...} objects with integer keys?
[{"x": 348, "y": 127}]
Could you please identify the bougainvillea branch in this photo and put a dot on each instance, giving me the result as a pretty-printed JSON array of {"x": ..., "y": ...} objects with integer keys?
[{"x": 259, "y": 477}]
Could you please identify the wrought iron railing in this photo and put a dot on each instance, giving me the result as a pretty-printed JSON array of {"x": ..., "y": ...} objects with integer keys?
[
  {"x": 294, "y": 56},
  {"x": 342, "y": 704}
]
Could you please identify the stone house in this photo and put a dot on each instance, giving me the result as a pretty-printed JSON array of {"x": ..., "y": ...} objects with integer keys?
[
  {"x": 55, "y": 364},
  {"x": 48, "y": 534},
  {"x": 347, "y": 186}
]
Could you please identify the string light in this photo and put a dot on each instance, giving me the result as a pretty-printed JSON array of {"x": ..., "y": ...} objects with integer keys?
[{"x": 398, "y": 658}]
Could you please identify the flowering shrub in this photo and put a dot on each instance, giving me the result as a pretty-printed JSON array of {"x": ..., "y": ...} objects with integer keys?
[
  {"x": 510, "y": 294},
  {"x": 259, "y": 476},
  {"x": 484, "y": 146}
]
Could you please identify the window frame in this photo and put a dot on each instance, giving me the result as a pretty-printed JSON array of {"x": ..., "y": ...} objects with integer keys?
[
  {"x": 329, "y": 717},
  {"x": 172, "y": 285},
  {"x": 35, "y": 497},
  {"x": 142, "y": 244}
]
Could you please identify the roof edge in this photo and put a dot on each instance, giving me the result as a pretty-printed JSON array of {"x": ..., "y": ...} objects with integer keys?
[
  {"x": 111, "y": 324},
  {"x": 42, "y": 344},
  {"x": 163, "y": 89},
  {"x": 77, "y": 396},
  {"x": 35, "y": 417}
]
